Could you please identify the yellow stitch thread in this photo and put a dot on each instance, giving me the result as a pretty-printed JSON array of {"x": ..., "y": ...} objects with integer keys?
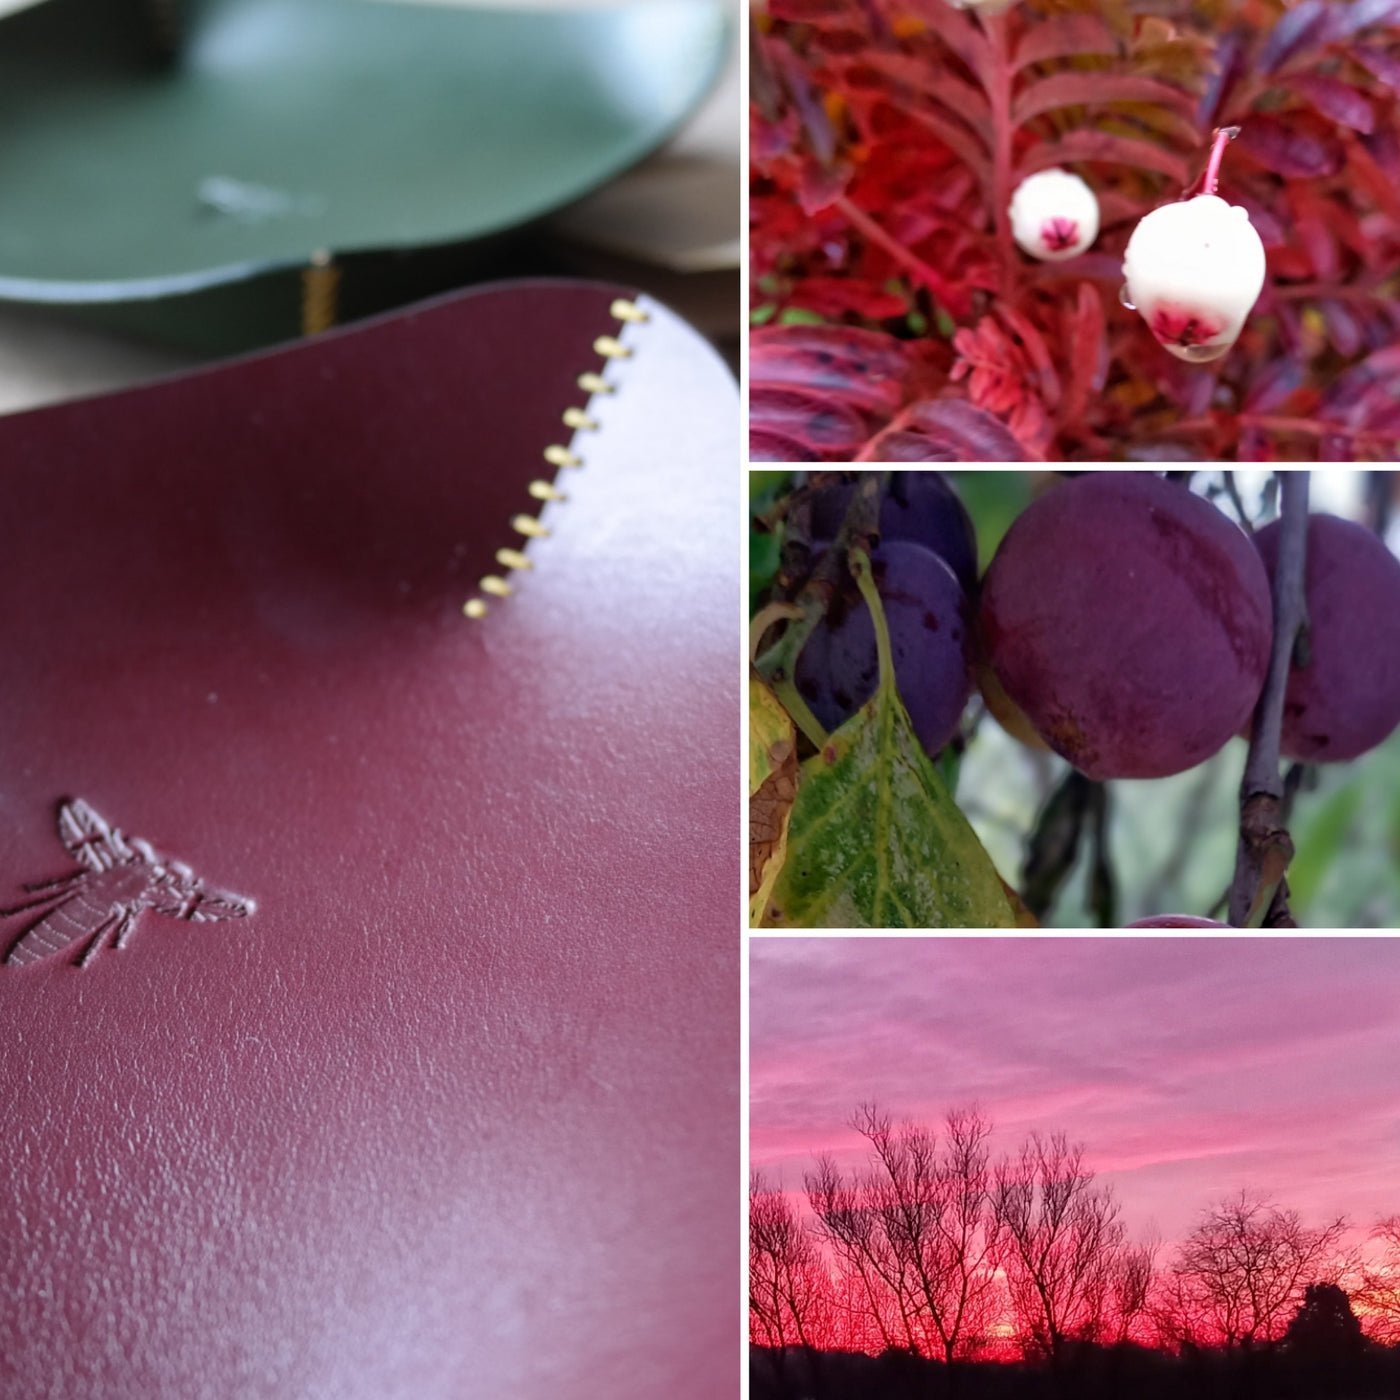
[
  {"x": 577, "y": 418},
  {"x": 497, "y": 586},
  {"x": 474, "y": 607},
  {"x": 561, "y": 457},
  {"x": 628, "y": 311},
  {"x": 595, "y": 384},
  {"x": 513, "y": 559},
  {"x": 528, "y": 525},
  {"x": 610, "y": 348},
  {"x": 320, "y": 286},
  {"x": 545, "y": 491}
]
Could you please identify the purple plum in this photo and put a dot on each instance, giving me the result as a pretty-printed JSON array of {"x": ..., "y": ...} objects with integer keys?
[
  {"x": 925, "y": 608},
  {"x": 1348, "y": 699},
  {"x": 1130, "y": 620}
]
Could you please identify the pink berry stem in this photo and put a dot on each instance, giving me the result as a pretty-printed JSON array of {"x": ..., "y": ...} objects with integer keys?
[{"x": 1223, "y": 135}]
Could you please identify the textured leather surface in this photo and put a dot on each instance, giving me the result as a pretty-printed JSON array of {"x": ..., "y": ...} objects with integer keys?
[
  {"x": 454, "y": 1111},
  {"x": 287, "y": 126}
]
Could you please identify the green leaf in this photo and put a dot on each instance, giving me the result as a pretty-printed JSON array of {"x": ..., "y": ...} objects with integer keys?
[
  {"x": 876, "y": 840},
  {"x": 1319, "y": 841},
  {"x": 761, "y": 315},
  {"x": 800, "y": 316}
]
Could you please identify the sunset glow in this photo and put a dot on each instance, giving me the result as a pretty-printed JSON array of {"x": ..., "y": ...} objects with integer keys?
[{"x": 1191, "y": 1071}]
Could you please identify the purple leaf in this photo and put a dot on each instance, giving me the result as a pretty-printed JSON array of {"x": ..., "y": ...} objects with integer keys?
[
  {"x": 1291, "y": 146},
  {"x": 1335, "y": 99},
  {"x": 945, "y": 430},
  {"x": 1094, "y": 89},
  {"x": 1273, "y": 385},
  {"x": 825, "y": 425},
  {"x": 773, "y": 447},
  {"x": 864, "y": 368},
  {"x": 1382, "y": 64},
  {"x": 1295, "y": 28},
  {"x": 1230, "y": 65},
  {"x": 1366, "y": 13},
  {"x": 1342, "y": 329}
]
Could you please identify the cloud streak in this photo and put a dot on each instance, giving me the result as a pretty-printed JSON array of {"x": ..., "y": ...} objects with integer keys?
[{"x": 1188, "y": 1067}]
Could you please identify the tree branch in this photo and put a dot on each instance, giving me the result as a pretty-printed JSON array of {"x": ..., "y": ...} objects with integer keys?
[{"x": 1258, "y": 893}]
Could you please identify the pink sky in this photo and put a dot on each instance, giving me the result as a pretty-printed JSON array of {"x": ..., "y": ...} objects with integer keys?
[{"x": 1188, "y": 1067}]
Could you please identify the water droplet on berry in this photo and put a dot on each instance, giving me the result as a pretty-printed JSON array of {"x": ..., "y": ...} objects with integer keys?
[
  {"x": 1123, "y": 297},
  {"x": 1199, "y": 354}
]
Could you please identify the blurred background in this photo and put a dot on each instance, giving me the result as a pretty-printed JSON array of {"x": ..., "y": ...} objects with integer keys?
[
  {"x": 1171, "y": 841},
  {"x": 669, "y": 225}
]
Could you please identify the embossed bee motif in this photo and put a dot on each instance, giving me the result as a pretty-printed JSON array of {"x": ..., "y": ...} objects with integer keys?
[{"x": 99, "y": 904}]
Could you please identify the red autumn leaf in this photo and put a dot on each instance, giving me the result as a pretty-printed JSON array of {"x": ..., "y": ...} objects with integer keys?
[
  {"x": 963, "y": 99},
  {"x": 1062, "y": 36},
  {"x": 957, "y": 30},
  {"x": 833, "y": 296},
  {"x": 1085, "y": 353},
  {"x": 1100, "y": 145},
  {"x": 1095, "y": 90},
  {"x": 1041, "y": 375},
  {"x": 811, "y": 11}
]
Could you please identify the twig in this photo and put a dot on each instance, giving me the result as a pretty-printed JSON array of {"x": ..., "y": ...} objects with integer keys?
[
  {"x": 1233, "y": 491},
  {"x": 929, "y": 276},
  {"x": 1103, "y": 887},
  {"x": 1053, "y": 845},
  {"x": 1265, "y": 847},
  {"x": 1379, "y": 499}
]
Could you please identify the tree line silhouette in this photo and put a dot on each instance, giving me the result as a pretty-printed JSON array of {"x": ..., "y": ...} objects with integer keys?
[{"x": 917, "y": 1273}]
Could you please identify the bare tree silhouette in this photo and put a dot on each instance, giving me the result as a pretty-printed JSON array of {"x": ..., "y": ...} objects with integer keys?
[
  {"x": 789, "y": 1291},
  {"x": 913, "y": 1230},
  {"x": 1243, "y": 1271},
  {"x": 1059, "y": 1242}
]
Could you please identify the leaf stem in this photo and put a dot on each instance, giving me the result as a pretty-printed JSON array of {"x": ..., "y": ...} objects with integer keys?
[
  {"x": 1265, "y": 847},
  {"x": 865, "y": 581},
  {"x": 999, "y": 95}
]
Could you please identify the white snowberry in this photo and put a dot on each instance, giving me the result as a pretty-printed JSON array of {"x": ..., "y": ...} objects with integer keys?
[
  {"x": 1054, "y": 215},
  {"x": 1193, "y": 270}
]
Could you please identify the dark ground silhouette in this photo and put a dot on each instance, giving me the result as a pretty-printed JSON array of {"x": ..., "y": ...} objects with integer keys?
[{"x": 1317, "y": 1366}]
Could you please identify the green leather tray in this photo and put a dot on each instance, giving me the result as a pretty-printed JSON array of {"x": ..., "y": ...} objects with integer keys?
[{"x": 139, "y": 165}]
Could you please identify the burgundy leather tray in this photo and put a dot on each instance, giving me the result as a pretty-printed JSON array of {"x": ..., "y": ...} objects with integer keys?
[{"x": 417, "y": 1074}]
